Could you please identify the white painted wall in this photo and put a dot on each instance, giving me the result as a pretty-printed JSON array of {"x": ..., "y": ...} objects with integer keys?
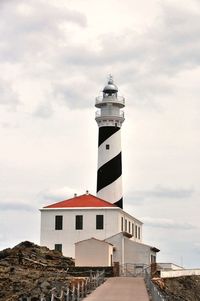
[
  {"x": 69, "y": 235},
  {"x": 168, "y": 266},
  {"x": 118, "y": 252},
  {"x": 179, "y": 273},
  {"x": 128, "y": 218},
  {"x": 128, "y": 251},
  {"x": 93, "y": 252},
  {"x": 135, "y": 252}
]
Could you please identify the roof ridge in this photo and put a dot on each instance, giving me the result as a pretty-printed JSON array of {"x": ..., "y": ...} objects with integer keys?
[{"x": 84, "y": 200}]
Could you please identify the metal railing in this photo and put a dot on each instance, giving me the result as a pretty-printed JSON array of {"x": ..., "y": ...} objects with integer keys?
[
  {"x": 142, "y": 270},
  {"x": 118, "y": 99},
  {"x": 109, "y": 114},
  {"x": 154, "y": 292},
  {"x": 76, "y": 291},
  {"x": 132, "y": 270}
]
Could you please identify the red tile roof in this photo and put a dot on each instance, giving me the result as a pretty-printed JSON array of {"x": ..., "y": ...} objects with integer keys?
[{"x": 85, "y": 200}]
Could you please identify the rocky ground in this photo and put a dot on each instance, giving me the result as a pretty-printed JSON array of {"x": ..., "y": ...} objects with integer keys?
[
  {"x": 28, "y": 269},
  {"x": 185, "y": 288},
  {"x": 31, "y": 270}
]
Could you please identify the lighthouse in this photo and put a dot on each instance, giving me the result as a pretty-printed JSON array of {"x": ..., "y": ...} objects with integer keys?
[
  {"x": 95, "y": 230},
  {"x": 109, "y": 118}
]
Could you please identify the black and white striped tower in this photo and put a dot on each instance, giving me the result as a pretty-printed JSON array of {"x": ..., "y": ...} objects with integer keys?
[{"x": 109, "y": 118}]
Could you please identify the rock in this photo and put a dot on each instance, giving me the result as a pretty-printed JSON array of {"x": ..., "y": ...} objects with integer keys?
[
  {"x": 30, "y": 270},
  {"x": 185, "y": 288},
  {"x": 45, "y": 285}
]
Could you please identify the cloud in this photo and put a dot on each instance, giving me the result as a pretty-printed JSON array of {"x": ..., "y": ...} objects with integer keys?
[
  {"x": 166, "y": 223},
  {"x": 43, "y": 110},
  {"x": 16, "y": 206},
  {"x": 177, "y": 36},
  {"x": 74, "y": 93},
  {"x": 160, "y": 192},
  {"x": 196, "y": 246},
  {"x": 9, "y": 125},
  {"x": 8, "y": 97},
  {"x": 57, "y": 194},
  {"x": 48, "y": 40},
  {"x": 38, "y": 27},
  {"x": 150, "y": 60}
]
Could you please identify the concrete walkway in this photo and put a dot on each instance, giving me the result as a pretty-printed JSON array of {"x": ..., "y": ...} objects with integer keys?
[{"x": 120, "y": 289}]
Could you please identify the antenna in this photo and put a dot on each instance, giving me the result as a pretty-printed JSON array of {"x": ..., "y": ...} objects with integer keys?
[{"x": 110, "y": 78}]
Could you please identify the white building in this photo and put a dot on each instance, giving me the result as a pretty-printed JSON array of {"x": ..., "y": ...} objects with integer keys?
[
  {"x": 91, "y": 223},
  {"x": 127, "y": 250},
  {"x": 82, "y": 217},
  {"x": 93, "y": 252}
]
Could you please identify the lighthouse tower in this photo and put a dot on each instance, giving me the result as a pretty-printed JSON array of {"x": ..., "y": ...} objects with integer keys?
[{"x": 109, "y": 118}]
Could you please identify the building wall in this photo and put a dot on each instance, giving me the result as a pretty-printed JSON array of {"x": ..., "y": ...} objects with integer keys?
[
  {"x": 168, "y": 266},
  {"x": 118, "y": 253},
  {"x": 131, "y": 226},
  {"x": 179, "y": 273},
  {"x": 128, "y": 251},
  {"x": 68, "y": 236},
  {"x": 136, "y": 252},
  {"x": 92, "y": 252}
]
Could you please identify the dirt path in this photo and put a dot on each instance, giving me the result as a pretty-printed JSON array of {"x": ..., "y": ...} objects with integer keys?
[{"x": 120, "y": 288}]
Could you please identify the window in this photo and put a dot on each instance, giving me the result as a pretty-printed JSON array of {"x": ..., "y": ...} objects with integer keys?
[
  {"x": 99, "y": 222},
  {"x": 129, "y": 227},
  {"x": 136, "y": 231},
  {"x": 79, "y": 222},
  {"x": 133, "y": 229},
  {"x": 126, "y": 225},
  {"x": 58, "y": 247},
  {"x": 139, "y": 232},
  {"x": 58, "y": 222},
  {"x": 122, "y": 224},
  {"x": 107, "y": 146}
]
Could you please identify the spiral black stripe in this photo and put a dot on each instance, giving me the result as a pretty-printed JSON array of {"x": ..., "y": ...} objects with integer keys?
[
  {"x": 105, "y": 132},
  {"x": 109, "y": 172},
  {"x": 119, "y": 203}
]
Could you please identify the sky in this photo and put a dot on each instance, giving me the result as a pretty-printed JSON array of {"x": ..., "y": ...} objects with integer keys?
[{"x": 55, "y": 58}]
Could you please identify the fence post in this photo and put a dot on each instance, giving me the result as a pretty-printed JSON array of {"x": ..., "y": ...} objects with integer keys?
[
  {"x": 87, "y": 286},
  {"x": 90, "y": 284},
  {"x": 61, "y": 294},
  {"x": 42, "y": 298},
  {"x": 83, "y": 288},
  {"x": 73, "y": 293},
  {"x": 78, "y": 291},
  {"x": 67, "y": 294},
  {"x": 53, "y": 293}
]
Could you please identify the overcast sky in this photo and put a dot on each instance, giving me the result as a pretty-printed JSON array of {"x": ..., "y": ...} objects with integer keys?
[{"x": 55, "y": 57}]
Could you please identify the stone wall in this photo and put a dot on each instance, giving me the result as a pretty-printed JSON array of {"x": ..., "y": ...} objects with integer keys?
[{"x": 86, "y": 271}]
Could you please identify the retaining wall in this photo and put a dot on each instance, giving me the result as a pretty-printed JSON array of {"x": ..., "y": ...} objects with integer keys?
[
  {"x": 179, "y": 273},
  {"x": 85, "y": 271}
]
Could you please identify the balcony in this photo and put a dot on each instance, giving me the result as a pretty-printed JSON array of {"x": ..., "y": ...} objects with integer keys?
[
  {"x": 119, "y": 115},
  {"x": 119, "y": 100}
]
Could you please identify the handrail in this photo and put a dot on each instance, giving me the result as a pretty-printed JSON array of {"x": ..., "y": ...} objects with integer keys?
[
  {"x": 156, "y": 295},
  {"x": 99, "y": 114},
  {"x": 75, "y": 292},
  {"x": 119, "y": 99}
]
